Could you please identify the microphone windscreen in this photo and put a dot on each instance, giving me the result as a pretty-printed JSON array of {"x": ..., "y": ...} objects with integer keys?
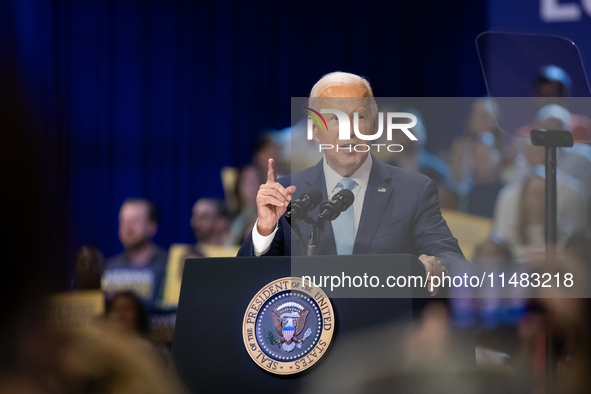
[
  {"x": 315, "y": 197},
  {"x": 348, "y": 197}
]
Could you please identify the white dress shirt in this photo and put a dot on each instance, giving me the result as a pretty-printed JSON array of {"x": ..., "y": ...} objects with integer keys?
[{"x": 262, "y": 244}]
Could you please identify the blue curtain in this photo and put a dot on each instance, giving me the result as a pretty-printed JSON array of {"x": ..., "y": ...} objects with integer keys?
[{"x": 151, "y": 98}]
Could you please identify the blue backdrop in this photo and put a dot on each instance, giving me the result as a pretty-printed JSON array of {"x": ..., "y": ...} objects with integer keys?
[
  {"x": 570, "y": 19},
  {"x": 153, "y": 98}
]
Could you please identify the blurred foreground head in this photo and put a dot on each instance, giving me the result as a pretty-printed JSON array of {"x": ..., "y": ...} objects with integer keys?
[
  {"x": 103, "y": 360},
  {"x": 34, "y": 357},
  {"x": 126, "y": 311},
  {"x": 89, "y": 268},
  {"x": 28, "y": 261},
  {"x": 424, "y": 358}
]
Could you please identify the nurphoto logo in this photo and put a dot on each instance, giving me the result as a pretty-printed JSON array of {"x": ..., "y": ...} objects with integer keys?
[{"x": 394, "y": 121}]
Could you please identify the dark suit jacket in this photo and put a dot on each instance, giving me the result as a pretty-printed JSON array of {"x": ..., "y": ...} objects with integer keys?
[{"x": 405, "y": 218}]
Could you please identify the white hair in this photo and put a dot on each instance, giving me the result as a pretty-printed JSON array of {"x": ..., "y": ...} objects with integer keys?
[{"x": 340, "y": 78}]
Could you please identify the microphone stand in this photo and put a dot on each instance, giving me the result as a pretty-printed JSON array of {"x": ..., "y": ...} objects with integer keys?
[
  {"x": 314, "y": 235},
  {"x": 342, "y": 200},
  {"x": 550, "y": 140},
  {"x": 293, "y": 224}
]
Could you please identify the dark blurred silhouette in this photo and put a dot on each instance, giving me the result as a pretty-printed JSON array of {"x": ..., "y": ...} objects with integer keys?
[
  {"x": 485, "y": 184},
  {"x": 126, "y": 311},
  {"x": 449, "y": 198},
  {"x": 492, "y": 253},
  {"x": 430, "y": 356},
  {"x": 246, "y": 188},
  {"x": 481, "y": 126},
  {"x": 527, "y": 239},
  {"x": 34, "y": 357},
  {"x": 89, "y": 268},
  {"x": 29, "y": 254},
  {"x": 266, "y": 148}
]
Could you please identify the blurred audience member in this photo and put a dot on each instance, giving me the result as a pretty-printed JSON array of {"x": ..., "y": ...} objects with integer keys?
[
  {"x": 572, "y": 173},
  {"x": 576, "y": 162},
  {"x": 413, "y": 157},
  {"x": 528, "y": 240},
  {"x": 551, "y": 86},
  {"x": 431, "y": 356},
  {"x": 126, "y": 311},
  {"x": 266, "y": 148},
  {"x": 509, "y": 214},
  {"x": 578, "y": 249},
  {"x": 571, "y": 208},
  {"x": 211, "y": 228},
  {"x": 269, "y": 145},
  {"x": 567, "y": 318},
  {"x": 89, "y": 268},
  {"x": 476, "y": 160},
  {"x": 209, "y": 223},
  {"x": 104, "y": 359},
  {"x": 299, "y": 151},
  {"x": 449, "y": 199},
  {"x": 490, "y": 306},
  {"x": 484, "y": 183},
  {"x": 247, "y": 186},
  {"x": 493, "y": 253},
  {"x": 141, "y": 266},
  {"x": 481, "y": 126},
  {"x": 526, "y": 236}
]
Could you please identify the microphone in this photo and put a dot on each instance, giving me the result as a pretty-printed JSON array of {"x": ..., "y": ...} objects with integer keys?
[
  {"x": 330, "y": 210},
  {"x": 298, "y": 209}
]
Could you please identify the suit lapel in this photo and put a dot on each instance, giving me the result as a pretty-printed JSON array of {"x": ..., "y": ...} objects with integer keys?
[{"x": 378, "y": 194}]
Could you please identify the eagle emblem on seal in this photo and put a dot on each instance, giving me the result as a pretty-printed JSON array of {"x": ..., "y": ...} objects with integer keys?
[{"x": 289, "y": 320}]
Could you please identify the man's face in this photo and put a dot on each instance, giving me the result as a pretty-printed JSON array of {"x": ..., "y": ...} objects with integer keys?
[
  {"x": 135, "y": 227},
  {"x": 349, "y": 99},
  {"x": 204, "y": 219}
]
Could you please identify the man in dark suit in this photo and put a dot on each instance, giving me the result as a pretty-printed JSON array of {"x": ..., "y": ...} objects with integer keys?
[{"x": 394, "y": 211}]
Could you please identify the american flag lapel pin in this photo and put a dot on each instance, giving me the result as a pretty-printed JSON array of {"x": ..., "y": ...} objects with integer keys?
[{"x": 382, "y": 190}]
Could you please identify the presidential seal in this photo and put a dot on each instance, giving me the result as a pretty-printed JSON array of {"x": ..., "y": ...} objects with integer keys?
[{"x": 287, "y": 327}]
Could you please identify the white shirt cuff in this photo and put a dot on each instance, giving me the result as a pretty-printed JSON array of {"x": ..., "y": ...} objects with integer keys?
[{"x": 261, "y": 243}]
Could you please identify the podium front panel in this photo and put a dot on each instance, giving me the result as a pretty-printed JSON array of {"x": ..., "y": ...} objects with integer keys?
[{"x": 208, "y": 351}]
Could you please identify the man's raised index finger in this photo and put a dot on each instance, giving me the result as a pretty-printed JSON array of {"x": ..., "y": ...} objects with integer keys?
[{"x": 272, "y": 173}]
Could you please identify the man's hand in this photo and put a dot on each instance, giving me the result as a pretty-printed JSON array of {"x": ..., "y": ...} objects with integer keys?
[
  {"x": 272, "y": 201},
  {"x": 433, "y": 267}
]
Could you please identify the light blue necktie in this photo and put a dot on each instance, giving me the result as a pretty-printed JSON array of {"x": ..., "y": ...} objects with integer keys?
[{"x": 343, "y": 227}]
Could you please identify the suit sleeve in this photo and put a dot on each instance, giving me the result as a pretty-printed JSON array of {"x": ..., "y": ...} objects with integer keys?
[
  {"x": 277, "y": 246},
  {"x": 432, "y": 235}
]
